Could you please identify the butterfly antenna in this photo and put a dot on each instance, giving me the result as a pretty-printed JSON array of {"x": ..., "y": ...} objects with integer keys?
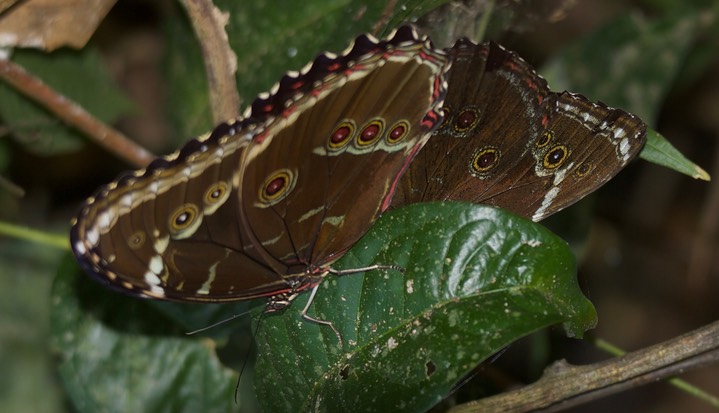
[
  {"x": 472, "y": 374},
  {"x": 217, "y": 323},
  {"x": 249, "y": 352}
]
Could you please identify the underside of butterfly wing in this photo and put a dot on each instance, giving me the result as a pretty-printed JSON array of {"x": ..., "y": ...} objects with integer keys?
[
  {"x": 260, "y": 206},
  {"x": 508, "y": 141},
  {"x": 344, "y": 148}
]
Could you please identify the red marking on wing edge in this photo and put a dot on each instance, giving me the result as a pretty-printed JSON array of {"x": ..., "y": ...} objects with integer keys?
[
  {"x": 545, "y": 121},
  {"x": 430, "y": 119},
  {"x": 388, "y": 198}
]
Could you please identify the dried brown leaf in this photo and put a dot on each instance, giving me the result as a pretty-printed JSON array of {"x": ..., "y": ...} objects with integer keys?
[{"x": 50, "y": 24}]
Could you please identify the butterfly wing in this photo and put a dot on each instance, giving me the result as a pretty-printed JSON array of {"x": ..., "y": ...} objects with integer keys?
[
  {"x": 508, "y": 141},
  {"x": 583, "y": 146},
  {"x": 155, "y": 232},
  {"x": 346, "y": 148},
  {"x": 253, "y": 208}
]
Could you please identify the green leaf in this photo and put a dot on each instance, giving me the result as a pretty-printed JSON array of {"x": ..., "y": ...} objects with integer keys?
[
  {"x": 477, "y": 278},
  {"x": 79, "y": 76},
  {"x": 27, "y": 365},
  {"x": 659, "y": 151},
  {"x": 118, "y": 355}
]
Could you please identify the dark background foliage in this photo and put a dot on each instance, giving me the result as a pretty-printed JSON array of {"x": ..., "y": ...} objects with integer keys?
[{"x": 646, "y": 244}]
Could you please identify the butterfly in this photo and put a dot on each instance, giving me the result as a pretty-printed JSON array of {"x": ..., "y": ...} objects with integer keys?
[{"x": 263, "y": 205}]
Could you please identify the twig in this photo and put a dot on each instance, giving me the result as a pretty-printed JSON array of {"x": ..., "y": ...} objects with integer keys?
[
  {"x": 73, "y": 114},
  {"x": 387, "y": 12},
  {"x": 220, "y": 61},
  {"x": 58, "y": 241},
  {"x": 563, "y": 385}
]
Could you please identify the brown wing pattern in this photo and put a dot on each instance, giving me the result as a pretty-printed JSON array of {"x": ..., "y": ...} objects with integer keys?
[
  {"x": 507, "y": 140},
  {"x": 262, "y": 205}
]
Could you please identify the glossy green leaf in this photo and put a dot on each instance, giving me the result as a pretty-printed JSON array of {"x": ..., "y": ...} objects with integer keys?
[
  {"x": 477, "y": 278},
  {"x": 118, "y": 355},
  {"x": 79, "y": 76}
]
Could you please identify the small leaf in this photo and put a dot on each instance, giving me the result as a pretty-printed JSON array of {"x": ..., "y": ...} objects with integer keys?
[
  {"x": 658, "y": 150},
  {"x": 477, "y": 278}
]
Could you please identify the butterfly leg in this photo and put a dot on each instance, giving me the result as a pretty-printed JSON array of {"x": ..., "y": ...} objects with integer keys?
[
  {"x": 341, "y": 272},
  {"x": 317, "y": 320}
]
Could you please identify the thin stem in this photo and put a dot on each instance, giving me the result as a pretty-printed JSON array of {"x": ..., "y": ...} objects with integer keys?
[
  {"x": 220, "y": 61},
  {"x": 73, "y": 114},
  {"x": 484, "y": 22},
  {"x": 678, "y": 383},
  {"x": 33, "y": 235}
]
